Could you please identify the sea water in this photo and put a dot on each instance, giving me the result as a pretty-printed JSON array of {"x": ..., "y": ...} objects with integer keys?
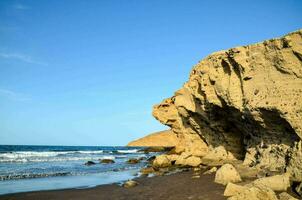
[{"x": 32, "y": 168}]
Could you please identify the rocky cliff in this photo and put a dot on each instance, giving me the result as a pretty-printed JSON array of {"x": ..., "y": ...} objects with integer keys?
[
  {"x": 162, "y": 139},
  {"x": 245, "y": 104}
]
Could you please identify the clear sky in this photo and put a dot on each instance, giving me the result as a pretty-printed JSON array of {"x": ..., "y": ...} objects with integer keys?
[{"x": 80, "y": 72}]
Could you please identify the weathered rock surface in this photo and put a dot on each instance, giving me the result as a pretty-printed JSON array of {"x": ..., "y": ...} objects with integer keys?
[
  {"x": 277, "y": 183},
  {"x": 255, "y": 193},
  {"x": 286, "y": 196},
  {"x": 243, "y": 103},
  {"x": 227, "y": 174},
  {"x": 233, "y": 189},
  {"x": 162, "y": 139},
  {"x": 162, "y": 161}
]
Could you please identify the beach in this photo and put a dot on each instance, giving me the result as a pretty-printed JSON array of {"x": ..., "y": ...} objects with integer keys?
[{"x": 178, "y": 186}]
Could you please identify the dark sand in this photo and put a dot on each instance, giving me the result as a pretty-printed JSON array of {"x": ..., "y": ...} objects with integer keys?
[{"x": 178, "y": 186}]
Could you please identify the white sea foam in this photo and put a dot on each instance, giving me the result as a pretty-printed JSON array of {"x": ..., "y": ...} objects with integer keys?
[
  {"x": 35, "y": 156},
  {"x": 108, "y": 157},
  {"x": 128, "y": 151},
  {"x": 53, "y": 156}
]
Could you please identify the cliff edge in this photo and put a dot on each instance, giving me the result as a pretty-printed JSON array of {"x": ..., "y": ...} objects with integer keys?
[{"x": 163, "y": 139}]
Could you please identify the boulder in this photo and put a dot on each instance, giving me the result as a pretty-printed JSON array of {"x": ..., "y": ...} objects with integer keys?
[
  {"x": 133, "y": 161},
  {"x": 162, "y": 161},
  {"x": 227, "y": 173},
  {"x": 277, "y": 183},
  {"x": 255, "y": 193},
  {"x": 106, "y": 161},
  {"x": 193, "y": 161},
  {"x": 130, "y": 184},
  {"x": 186, "y": 159},
  {"x": 232, "y": 189},
  {"x": 147, "y": 170},
  {"x": 88, "y": 163}
]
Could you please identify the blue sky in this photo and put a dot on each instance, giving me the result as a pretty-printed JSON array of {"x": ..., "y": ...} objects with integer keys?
[{"x": 88, "y": 72}]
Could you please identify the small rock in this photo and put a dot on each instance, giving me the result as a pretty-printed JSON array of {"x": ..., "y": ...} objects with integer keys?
[
  {"x": 88, "y": 163},
  {"x": 142, "y": 158},
  {"x": 147, "y": 170},
  {"x": 130, "y": 183},
  {"x": 227, "y": 173},
  {"x": 106, "y": 161},
  {"x": 196, "y": 176},
  {"x": 196, "y": 169},
  {"x": 133, "y": 161},
  {"x": 211, "y": 171}
]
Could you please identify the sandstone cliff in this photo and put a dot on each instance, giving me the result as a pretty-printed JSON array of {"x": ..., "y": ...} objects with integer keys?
[
  {"x": 244, "y": 103},
  {"x": 162, "y": 139}
]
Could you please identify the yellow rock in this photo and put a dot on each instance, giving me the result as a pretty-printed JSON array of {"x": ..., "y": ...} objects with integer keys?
[
  {"x": 233, "y": 189},
  {"x": 276, "y": 183},
  {"x": 255, "y": 193},
  {"x": 242, "y": 103},
  {"x": 226, "y": 174}
]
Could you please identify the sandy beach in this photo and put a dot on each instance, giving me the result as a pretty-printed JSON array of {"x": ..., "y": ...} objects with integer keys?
[{"x": 177, "y": 186}]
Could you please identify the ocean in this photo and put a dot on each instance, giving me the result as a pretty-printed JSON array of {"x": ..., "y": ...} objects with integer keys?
[{"x": 32, "y": 168}]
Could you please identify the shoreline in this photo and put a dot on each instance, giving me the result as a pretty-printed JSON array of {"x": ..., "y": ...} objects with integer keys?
[{"x": 177, "y": 186}]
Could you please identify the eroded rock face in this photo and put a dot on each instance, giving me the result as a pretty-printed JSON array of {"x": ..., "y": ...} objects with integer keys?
[{"x": 243, "y": 103}]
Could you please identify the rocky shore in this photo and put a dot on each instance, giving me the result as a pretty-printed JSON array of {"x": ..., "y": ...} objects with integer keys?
[
  {"x": 235, "y": 132},
  {"x": 240, "y": 115}
]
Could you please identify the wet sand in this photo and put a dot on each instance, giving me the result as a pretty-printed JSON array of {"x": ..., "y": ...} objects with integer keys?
[{"x": 179, "y": 186}]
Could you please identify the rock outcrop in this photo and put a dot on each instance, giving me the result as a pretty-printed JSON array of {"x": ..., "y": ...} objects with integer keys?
[
  {"x": 245, "y": 104},
  {"x": 161, "y": 139}
]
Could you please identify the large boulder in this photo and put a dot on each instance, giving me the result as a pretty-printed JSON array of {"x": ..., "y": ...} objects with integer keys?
[
  {"x": 233, "y": 189},
  {"x": 162, "y": 161},
  {"x": 277, "y": 183},
  {"x": 186, "y": 159},
  {"x": 255, "y": 193},
  {"x": 246, "y": 101},
  {"x": 226, "y": 174}
]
